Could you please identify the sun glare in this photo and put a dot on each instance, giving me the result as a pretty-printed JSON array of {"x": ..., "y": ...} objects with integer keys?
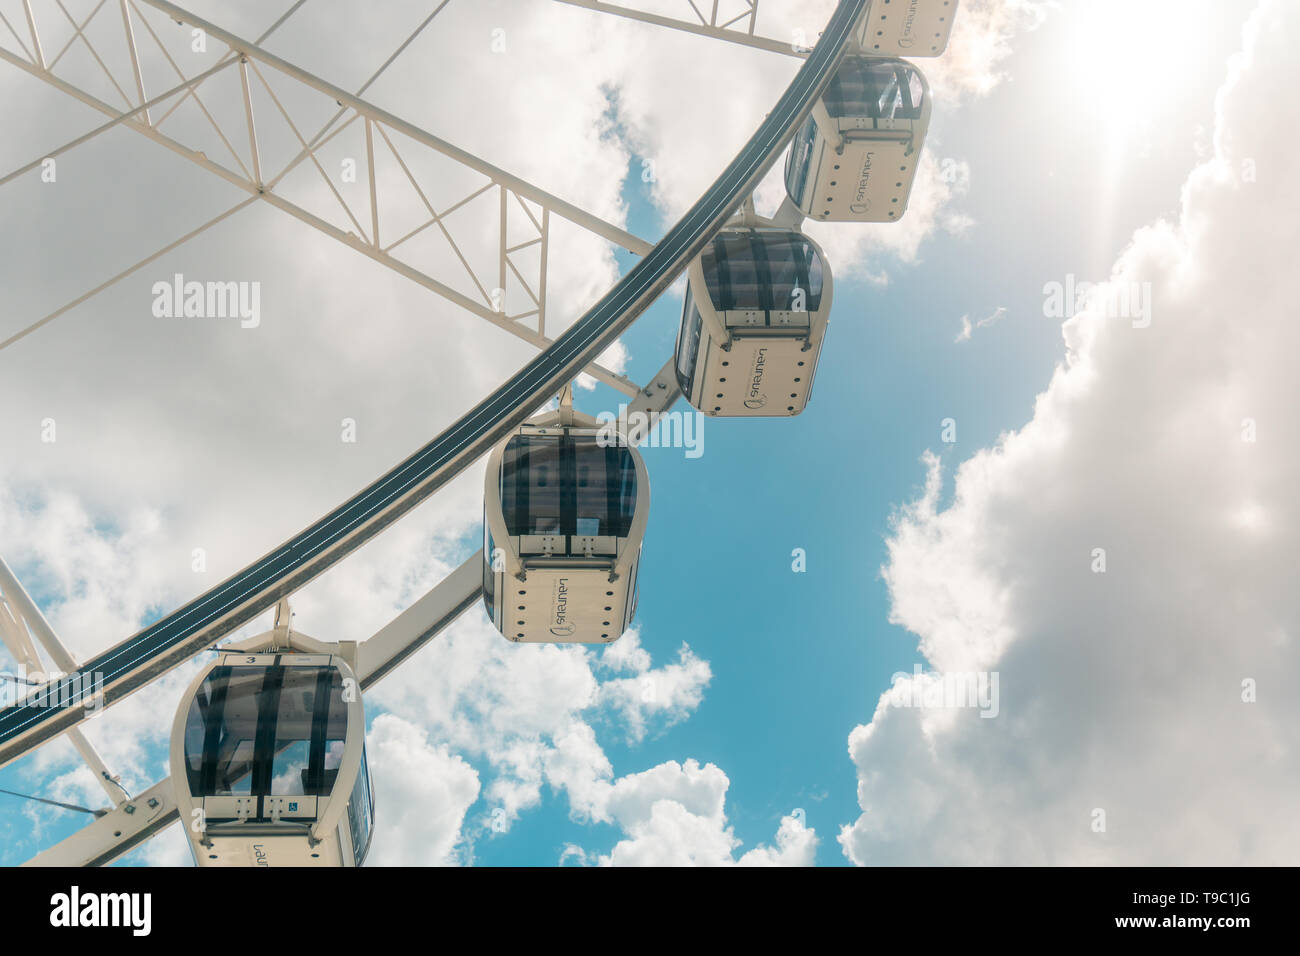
[{"x": 1126, "y": 58}]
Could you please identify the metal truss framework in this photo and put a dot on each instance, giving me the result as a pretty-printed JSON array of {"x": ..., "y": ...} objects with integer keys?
[
  {"x": 22, "y": 626},
  {"x": 736, "y": 24},
  {"x": 133, "y": 820},
  {"x": 523, "y": 212}
]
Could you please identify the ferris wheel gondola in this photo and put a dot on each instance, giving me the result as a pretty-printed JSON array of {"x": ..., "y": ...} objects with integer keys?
[
  {"x": 756, "y": 308},
  {"x": 855, "y": 158},
  {"x": 566, "y": 501},
  {"x": 906, "y": 27},
  {"x": 268, "y": 759}
]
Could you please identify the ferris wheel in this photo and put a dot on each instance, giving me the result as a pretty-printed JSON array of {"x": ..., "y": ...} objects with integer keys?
[{"x": 267, "y": 757}]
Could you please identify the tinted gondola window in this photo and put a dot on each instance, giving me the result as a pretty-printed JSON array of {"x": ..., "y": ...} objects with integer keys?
[
  {"x": 731, "y": 273},
  {"x": 631, "y": 610},
  {"x": 799, "y": 160},
  {"x": 221, "y": 731},
  {"x": 335, "y": 733},
  {"x": 266, "y": 731},
  {"x": 361, "y": 814},
  {"x": 875, "y": 89},
  {"x": 688, "y": 343},
  {"x": 761, "y": 270},
  {"x": 585, "y": 489},
  {"x": 291, "y": 761},
  {"x": 530, "y": 490},
  {"x": 793, "y": 269},
  {"x": 489, "y": 572}
]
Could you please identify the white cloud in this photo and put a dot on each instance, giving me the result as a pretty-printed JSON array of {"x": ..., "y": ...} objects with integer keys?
[
  {"x": 796, "y": 845},
  {"x": 981, "y": 40},
  {"x": 422, "y": 793},
  {"x": 967, "y": 328},
  {"x": 672, "y": 691},
  {"x": 168, "y": 848},
  {"x": 1122, "y": 691},
  {"x": 674, "y": 815},
  {"x": 527, "y": 711},
  {"x": 614, "y": 358}
]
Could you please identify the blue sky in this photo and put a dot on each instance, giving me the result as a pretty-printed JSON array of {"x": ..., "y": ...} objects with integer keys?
[{"x": 799, "y": 659}]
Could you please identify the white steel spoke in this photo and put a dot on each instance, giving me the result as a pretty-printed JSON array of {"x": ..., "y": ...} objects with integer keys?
[
  {"x": 21, "y": 45},
  {"x": 135, "y": 55},
  {"x": 124, "y": 273},
  {"x": 91, "y": 47},
  {"x": 21, "y": 621},
  {"x": 113, "y": 122},
  {"x": 308, "y": 150},
  {"x": 192, "y": 89},
  {"x": 741, "y": 28},
  {"x": 77, "y": 33},
  {"x": 31, "y": 27},
  {"x": 252, "y": 127},
  {"x": 228, "y": 57},
  {"x": 509, "y": 273},
  {"x": 370, "y": 165}
]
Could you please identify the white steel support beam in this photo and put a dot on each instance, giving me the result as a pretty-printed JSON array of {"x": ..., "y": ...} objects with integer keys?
[
  {"x": 184, "y": 86},
  {"x": 122, "y": 828},
  {"x": 21, "y": 333},
  {"x": 374, "y": 199},
  {"x": 97, "y": 766},
  {"x": 36, "y": 40},
  {"x": 655, "y": 398},
  {"x": 251, "y": 50},
  {"x": 252, "y": 127},
  {"x": 20, "y": 620},
  {"x": 482, "y": 304},
  {"x": 135, "y": 56},
  {"x": 26, "y": 610},
  {"x": 707, "y": 26},
  {"x": 421, "y": 622}
]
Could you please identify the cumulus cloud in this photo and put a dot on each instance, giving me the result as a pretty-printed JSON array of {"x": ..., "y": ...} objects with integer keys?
[
  {"x": 529, "y": 712},
  {"x": 672, "y": 691},
  {"x": 981, "y": 40},
  {"x": 614, "y": 358},
  {"x": 424, "y": 791},
  {"x": 674, "y": 815},
  {"x": 1125, "y": 561}
]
